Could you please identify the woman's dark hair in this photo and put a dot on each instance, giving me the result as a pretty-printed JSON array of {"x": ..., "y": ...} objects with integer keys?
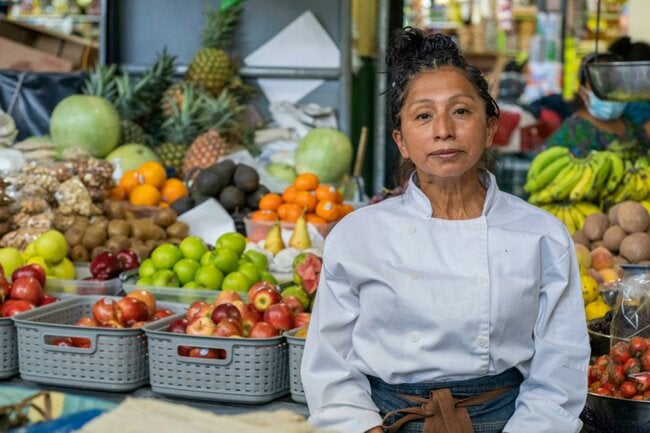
[
  {"x": 630, "y": 51},
  {"x": 412, "y": 51}
]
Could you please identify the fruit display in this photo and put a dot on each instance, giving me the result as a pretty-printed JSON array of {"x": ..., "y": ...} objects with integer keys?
[
  {"x": 148, "y": 185},
  {"x": 106, "y": 265},
  {"x": 624, "y": 372},
  {"x": 325, "y": 152},
  {"x": 25, "y": 290}
]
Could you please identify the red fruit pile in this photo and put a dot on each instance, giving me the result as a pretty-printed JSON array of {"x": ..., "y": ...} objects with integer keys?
[
  {"x": 25, "y": 292},
  {"x": 266, "y": 316},
  {"x": 132, "y": 311},
  {"x": 107, "y": 265},
  {"x": 624, "y": 372}
]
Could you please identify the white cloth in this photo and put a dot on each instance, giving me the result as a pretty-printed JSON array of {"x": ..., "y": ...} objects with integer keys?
[{"x": 409, "y": 298}]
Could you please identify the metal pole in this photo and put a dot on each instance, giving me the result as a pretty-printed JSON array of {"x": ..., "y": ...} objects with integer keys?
[
  {"x": 379, "y": 133},
  {"x": 345, "y": 80}
]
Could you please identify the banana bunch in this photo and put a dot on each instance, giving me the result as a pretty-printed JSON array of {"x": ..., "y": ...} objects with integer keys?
[
  {"x": 556, "y": 175},
  {"x": 635, "y": 184},
  {"x": 572, "y": 214}
]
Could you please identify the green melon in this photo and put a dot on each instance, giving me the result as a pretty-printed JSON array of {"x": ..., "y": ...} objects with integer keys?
[{"x": 325, "y": 152}]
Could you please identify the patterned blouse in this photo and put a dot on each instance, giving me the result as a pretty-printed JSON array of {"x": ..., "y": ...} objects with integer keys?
[{"x": 581, "y": 136}]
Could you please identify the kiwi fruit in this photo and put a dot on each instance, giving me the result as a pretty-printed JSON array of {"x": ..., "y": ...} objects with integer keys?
[
  {"x": 595, "y": 226},
  {"x": 174, "y": 241},
  {"x": 140, "y": 228},
  {"x": 118, "y": 227},
  {"x": 100, "y": 221},
  {"x": 114, "y": 210},
  {"x": 232, "y": 198},
  {"x": 117, "y": 242},
  {"x": 178, "y": 229},
  {"x": 246, "y": 178},
  {"x": 74, "y": 235},
  {"x": 93, "y": 237},
  {"x": 142, "y": 250},
  {"x": 79, "y": 253},
  {"x": 165, "y": 217},
  {"x": 5, "y": 213},
  {"x": 81, "y": 221}
]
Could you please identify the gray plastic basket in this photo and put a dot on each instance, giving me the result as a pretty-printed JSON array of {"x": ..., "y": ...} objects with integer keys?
[
  {"x": 115, "y": 361},
  {"x": 253, "y": 371},
  {"x": 9, "y": 349},
  {"x": 296, "y": 348}
]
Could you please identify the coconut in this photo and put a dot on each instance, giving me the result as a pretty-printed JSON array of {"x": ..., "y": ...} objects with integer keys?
[
  {"x": 611, "y": 214},
  {"x": 635, "y": 247},
  {"x": 632, "y": 217},
  {"x": 595, "y": 226},
  {"x": 580, "y": 238},
  {"x": 613, "y": 237}
]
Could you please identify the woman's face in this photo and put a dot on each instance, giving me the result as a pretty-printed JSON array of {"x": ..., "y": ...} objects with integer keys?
[{"x": 444, "y": 125}]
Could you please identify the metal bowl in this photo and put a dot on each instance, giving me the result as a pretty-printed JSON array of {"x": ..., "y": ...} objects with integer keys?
[
  {"x": 620, "y": 81},
  {"x": 630, "y": 416},
  {"x": 599, "y": 343},
  {"x": 635, "y": 269}
]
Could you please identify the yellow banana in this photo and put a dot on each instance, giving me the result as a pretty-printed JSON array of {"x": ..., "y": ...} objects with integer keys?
[
  {"x": 586, "y": 208},
  {"x": 567, "y": 219},
  {"x": 547, "y": 174},
  {"x": 577, "y": 216},
  {"x": 617, "y": 171},
  {"x": 565, "y": 187},
  {"x": 581, "y": 187},
  {"x": 544, "y": 158},
  {"x": 601, "y": 166}
]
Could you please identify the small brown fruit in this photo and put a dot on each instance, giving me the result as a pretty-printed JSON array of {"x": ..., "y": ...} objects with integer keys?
[
  {"x": 632, "y": 217},
  {"x": 79, "y": 253},
  {"x": 613, "y": 237},
  {"x": 178, "y": 229},
  {"x": 595, "y": 226},
  {"x": 580, "y": 238},
  {"x": 613, "y": 215},
  {"x": 165, "y": 217},
  {"x": 636, "y": 247}
]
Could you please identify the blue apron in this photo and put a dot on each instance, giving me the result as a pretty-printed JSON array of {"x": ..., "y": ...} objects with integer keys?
[{"x": 490, "y": 417}]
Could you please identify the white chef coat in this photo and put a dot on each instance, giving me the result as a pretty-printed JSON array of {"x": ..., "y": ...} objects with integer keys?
[{"x": 409, "y": 298}]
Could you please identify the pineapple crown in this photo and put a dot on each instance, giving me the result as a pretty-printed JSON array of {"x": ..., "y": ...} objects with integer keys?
[
  {"x": 101, "y": 82},
  {"x": 219, "y": 27}
]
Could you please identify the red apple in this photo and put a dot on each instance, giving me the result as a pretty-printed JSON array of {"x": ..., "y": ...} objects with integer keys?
[
  {"x": 87, "y": 322},
  {"x": 27, "y": 288},
  {"x": 128, "y": 259},
  {"x": 199, "y": 308},
  {"x": 63, "y": 342},
  {"x": 262, "y": 330},
  {"x": 15, "y": 306},
  {"x": 105, "y": 266},
  {"x": 203, "y": 352},
  {"x": 5, "y": 288},
  {"x": 138, "y": 324},
  {"x": 113, "y": 323},
  {"x": 162, "y": 312},
  {"x": 241, "y": 306},
  {"x": 301, "y": 319},
  {"x": 200, "y": 325},
  {"x": 183, "y": 351},
  {"x": 227, "y": 297},
  {"x": 48, "y": 299},
  {"x": 147, "y": 297},
  {"x": 249, "y": 317},
  {"x": 31, "y": 270},
  {"x": 178, "y": 326},
  {"x": 258, "y": 286},
  {"x": 263, "y": 298},
  {"x": 228, "y": 327},
  {"x": 223, "y": 311},
  {"x": 293, "y": 303},
  {"x": 279, "y": 316},
  {"x": 131, "y": 310},
  {"x": 104, "y": 310}
]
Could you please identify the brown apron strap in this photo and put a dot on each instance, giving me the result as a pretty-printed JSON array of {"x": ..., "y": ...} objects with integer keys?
[{"x": 441, "y": 412}]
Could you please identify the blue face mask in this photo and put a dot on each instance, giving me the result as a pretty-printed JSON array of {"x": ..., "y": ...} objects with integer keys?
[{"x": 605, "y": 110}]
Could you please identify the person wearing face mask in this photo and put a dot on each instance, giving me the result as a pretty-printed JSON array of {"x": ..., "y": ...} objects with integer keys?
[{"x": 596, "y": 123}]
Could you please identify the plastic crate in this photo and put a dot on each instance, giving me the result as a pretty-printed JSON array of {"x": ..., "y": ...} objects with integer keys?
[
  {"x": 9, "y": 348},
  {"x": 253, "y": 371},
  {"x": 296, "y": 348},
  {"x": 115, "y": 361},
  {"x": 79, "y": 286},
  {"x": 169, "y": 294}
]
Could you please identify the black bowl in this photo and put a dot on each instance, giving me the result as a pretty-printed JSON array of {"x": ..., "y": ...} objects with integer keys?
[{"x": 620, "y": 414}]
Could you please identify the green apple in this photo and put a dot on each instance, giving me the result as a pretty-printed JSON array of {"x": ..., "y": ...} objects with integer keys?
[
  {"x": 147, "y": 268},
  {"x": 299, "y": 293},
  {"x": 29, "y": 250},
  {"x": 165, "y": 278},
  {"x": 236, "y": 281},
  {"x": 250, "y": 270},
  {"x": 233, "y": 241},
  {"x": 10, "y": 259},
  {"x": 191, "y": 285},
  {"x": 209, "y": 276},
  {"x": 64, "y": 269},
  {"x": 193, "y": 247},
  {"x": 43, "y": 263},
  {"x": 260, "y": 260},
  {"x": 52, "y": 246},
  {"x": 244, "y": 259},
  {"x": 144, "y": 281},
  {"x": 186, "y": 269},
  {"x": 164, "y": 256},
  {"x": 225, "y": 259},
  {"x": 206, "y": 258},
  {"x": 131, "y": 155},
  {"x": 267, "y": 276}
]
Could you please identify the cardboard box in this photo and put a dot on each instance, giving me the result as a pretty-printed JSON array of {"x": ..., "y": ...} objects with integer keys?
[{"x": 14, "y": 55}]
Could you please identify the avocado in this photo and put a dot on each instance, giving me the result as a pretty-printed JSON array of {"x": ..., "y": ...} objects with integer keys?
[
  {"x": 224, "y": 169},
  {"x": 182, "y": 205},
  {"x": 209, "y": 183},
  {"x": 232, "y": 198},
  {"x": 253, "y": 198},
  {"x": 246, "y": 178}
]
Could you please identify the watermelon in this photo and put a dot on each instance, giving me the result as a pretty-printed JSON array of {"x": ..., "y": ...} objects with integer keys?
[
  {"x": 85, "y": 121},
  {"x": 306, "y": 271},
  {"x": 325, "y": 152}
]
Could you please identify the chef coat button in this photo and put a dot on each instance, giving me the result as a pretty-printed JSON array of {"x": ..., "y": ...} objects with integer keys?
[
  {"x": 480, "y": 226},
  {"x": 483, "y": 279},
  {"x": 482, "y": 342},
  {"x": 414, "y": 337},
  {"x": 413, "y": 276},
  {"x": 410, "y": 230}
]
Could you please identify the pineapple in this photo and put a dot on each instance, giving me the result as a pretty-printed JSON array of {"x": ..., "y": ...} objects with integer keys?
[
  {"x": 131, "y": 132},
  {"x": 174, "y": 95},
  {"x": 211, "y": 66},
  {"x": 172, "y": 155},
  {"x": 205, "y": 150}
]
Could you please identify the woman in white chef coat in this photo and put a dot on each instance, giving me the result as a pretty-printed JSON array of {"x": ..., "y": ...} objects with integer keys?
[{"x": 455, "y": 307}]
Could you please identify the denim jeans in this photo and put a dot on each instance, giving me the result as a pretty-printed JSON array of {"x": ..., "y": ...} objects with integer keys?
[{"x": 490, "y": 417}]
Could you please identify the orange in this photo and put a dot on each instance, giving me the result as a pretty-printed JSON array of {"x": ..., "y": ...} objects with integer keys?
[
  {"x": 145, "y": 195},
  {"x": 328, "y": 210},
  {"x": 314, "y": 219},
  {"x": 289, "y": 194},
  {"x": 270, "y": 201},
  {"x": 152, "y": 173},
  {"x": 173, "y": 189},
  {"x": 339, "y": 197},
  {"x": 163, "y": 204},
  {"x": 325, "y": 192},
  {"x": 305, "y": 199},
  {"x": 289, "y": 212},
  {"x": 345, "y": 209},
  {"x": 117, "y": 193},
  {"x": 264, "y": 215},
  {"x": 129, "y": 180},
  {"x": 306, "y": 182}
]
